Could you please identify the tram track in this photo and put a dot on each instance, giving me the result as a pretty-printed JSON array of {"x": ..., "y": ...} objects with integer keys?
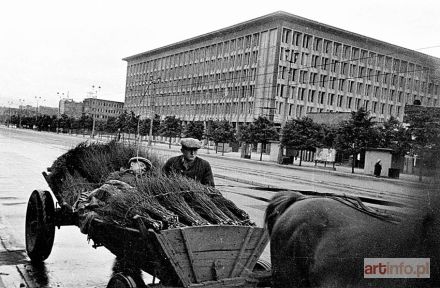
[{"x": 283, "y": 180}]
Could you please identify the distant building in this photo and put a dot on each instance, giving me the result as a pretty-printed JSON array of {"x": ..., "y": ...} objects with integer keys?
[
  {"x": 71, "y": 108},
  {"x": 102, "y": 109},
  {"x": 44, "y": 110},
  {"x": 281, "y": 66}
]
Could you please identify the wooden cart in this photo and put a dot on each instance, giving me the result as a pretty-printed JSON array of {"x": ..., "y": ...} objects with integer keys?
[{"x": 199, "y": 256}]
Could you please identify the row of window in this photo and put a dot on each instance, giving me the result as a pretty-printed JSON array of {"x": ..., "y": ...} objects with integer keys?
[
  {"x": 379, "y": 93},
  {"x": 409, "y": 79},
  {"x": 218, "y": 51},
  {"x": 375, "y": 108},
  {"x": 344, "y": 51}
]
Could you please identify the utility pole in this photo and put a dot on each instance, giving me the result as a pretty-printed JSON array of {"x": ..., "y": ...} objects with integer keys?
[
  {"x": 289, "y": 59},
  {"x": 141, "y": 104},
  {"x": 21, "y": 101},
  {"x": 95, "y": 96},
  {"x": 150, "y": 134},
  {"x": 60, "y": 95}
]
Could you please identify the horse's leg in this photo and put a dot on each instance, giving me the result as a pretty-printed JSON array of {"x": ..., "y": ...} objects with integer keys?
[{"x": 291, "y": 254}]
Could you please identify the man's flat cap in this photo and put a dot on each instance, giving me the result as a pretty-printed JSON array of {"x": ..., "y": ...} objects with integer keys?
[
  {"x": 141, "y": 159},
  {"x": 190, "y": 143}
]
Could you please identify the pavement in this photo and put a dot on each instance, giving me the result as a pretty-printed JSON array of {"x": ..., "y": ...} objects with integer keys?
[
  {"x": 209, "y": 152},
  {"x": 340, "y": 170}
]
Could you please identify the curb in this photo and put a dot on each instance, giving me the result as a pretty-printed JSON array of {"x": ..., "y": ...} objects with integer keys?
[{"x": 313, "y": 169}]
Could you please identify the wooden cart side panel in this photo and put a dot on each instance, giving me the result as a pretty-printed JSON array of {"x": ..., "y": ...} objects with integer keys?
[
  {"x": 210, "y": 253},
  {"x": 259, "y": 248},
  {"x": 179, "y": 264}
]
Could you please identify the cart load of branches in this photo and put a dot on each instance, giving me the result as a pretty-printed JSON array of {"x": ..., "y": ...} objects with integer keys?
[{"x": 85, "y": 178}]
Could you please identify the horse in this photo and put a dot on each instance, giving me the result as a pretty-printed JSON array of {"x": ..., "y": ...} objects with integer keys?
[{"x": 323, "y": 241}]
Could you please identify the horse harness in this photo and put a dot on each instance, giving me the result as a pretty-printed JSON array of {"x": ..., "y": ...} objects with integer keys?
[{"x": 356, "y": 203}]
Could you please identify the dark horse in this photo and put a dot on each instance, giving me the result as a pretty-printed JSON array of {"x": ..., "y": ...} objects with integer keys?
[{"x": 322, "y": 242}]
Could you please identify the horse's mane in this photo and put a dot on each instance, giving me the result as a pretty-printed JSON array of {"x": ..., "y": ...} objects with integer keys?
[{"x": 279, "y": 203}]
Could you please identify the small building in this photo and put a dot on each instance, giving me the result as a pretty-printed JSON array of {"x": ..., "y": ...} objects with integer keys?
[{"x": 372, "y": 155}]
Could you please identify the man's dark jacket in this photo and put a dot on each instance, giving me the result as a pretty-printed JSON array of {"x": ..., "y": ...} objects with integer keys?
[{"x": 199, "y": 169}]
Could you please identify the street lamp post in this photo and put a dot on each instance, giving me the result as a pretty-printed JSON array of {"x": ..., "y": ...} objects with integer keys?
[
  {"x": 289, "y": 59},
  {"x": 95, "y": 93},
  {"x": 10, "y": 112},
  {"x": 60, "y": 96},
  {"x": 21, "y": 102},
  {"x": 36, "y": 111}
]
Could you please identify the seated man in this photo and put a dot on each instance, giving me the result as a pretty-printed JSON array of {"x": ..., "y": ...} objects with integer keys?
[
  {"x": 115, "y": 183},
  {"x": 138, "y": 167},
  {"x": 188, "y": 164}
]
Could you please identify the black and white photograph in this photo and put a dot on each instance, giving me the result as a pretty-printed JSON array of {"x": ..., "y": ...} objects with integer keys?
[{"x": 209, "y": 144}]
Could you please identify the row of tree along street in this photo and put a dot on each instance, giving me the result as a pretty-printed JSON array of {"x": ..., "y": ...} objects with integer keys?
[{"x": 421, "y": 135}]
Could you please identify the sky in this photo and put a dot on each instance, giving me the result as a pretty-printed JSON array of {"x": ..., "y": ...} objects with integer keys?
[{"x": 50, "y": 48}]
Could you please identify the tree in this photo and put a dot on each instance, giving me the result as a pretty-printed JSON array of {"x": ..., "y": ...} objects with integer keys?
[
  {"x": 64, "y": 122},
  {"x": 111, "y": 125},
  {"x": 170, "y": 127},
  {"x": 356, "y": 134},
  {"x": 424, "y": 128},
  {"x": 132, "y": 123},
  {"x": 223, "y": 132},
  {"x": 393, "y": 135},
  {"x": 301, "y": 134},
  {"x": 327, "y": 135},
  {"x": 244, "y": 137},
  {"x": 262, "y": 131},
  {"x": 122, "y": 121},
  {"x": 194, "y": 130}
]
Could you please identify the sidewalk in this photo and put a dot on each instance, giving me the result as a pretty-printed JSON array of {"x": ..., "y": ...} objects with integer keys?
[{"x": 343, "y": 171}]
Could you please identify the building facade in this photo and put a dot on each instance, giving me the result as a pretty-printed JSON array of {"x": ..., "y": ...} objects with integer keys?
[
  {"x": 102, "y": 109},
  {"x": 280, "y": 66},
  {"x": 70, "y": 108}
]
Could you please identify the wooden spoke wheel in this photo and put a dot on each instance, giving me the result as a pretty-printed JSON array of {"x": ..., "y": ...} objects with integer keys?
[
  {"x": 262, "y": 265},
  {"x": 121, "y": 281},
  {"x": 40, "y": 225},
  {"x": 264, "y": 268}
]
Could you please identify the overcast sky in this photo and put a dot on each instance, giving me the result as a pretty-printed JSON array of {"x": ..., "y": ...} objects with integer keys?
[{"x": 67, "y": 46}]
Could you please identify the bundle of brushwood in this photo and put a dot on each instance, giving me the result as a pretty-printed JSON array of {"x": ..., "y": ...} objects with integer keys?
[
  {"x": 88, "y": 165},
  {"x": 161, "y": 201}
]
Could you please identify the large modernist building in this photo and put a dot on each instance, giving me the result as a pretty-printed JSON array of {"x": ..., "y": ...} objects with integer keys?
[{"x": 280, "y": 66}]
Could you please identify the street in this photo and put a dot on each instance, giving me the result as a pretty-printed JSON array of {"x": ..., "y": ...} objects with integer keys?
[{"x": 74, "y": 263}]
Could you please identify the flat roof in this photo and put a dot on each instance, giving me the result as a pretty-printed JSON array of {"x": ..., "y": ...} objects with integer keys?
[{"x": 273, "y": 17}]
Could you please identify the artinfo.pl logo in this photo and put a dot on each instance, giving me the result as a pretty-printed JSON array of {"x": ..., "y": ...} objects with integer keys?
[{"x": 396, "y": 267}]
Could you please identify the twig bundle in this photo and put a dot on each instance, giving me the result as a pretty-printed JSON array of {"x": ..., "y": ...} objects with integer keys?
[
  {"x": 161, "y": 201},
  {"x": 167, "y": 191}
]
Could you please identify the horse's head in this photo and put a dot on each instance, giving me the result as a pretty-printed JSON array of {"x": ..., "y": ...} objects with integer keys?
[{"x": 279, "y": 203}]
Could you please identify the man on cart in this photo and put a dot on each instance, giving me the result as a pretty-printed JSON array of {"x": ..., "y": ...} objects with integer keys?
[{"x": 189, "y": 164}]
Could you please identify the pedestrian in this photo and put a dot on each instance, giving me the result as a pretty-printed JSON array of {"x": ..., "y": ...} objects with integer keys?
[
  {"x": 377, "y": 168},
  {"x": 189, "y": 164}
]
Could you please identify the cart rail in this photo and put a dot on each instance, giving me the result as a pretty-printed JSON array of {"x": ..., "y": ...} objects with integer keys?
[{"x": 197, "y": 256}]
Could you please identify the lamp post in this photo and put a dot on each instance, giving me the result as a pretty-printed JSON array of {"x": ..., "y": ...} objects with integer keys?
[
  {"x": 10, "y": 114},
  {"x": 36, "y": 111},
  {"x": 150, "y": 134},
  {"x": 289, "y": 59},
  {"x": 60, "y": 96},
  {"x": 21, "y": 102},
  {"x": 95, "y": 93}
]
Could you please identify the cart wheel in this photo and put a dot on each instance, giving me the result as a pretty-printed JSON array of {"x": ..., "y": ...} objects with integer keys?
[
  {"x": 40, "y": 225},
  {"x": 121, "y": 281},
  {"x": 262, "y": 265}
]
